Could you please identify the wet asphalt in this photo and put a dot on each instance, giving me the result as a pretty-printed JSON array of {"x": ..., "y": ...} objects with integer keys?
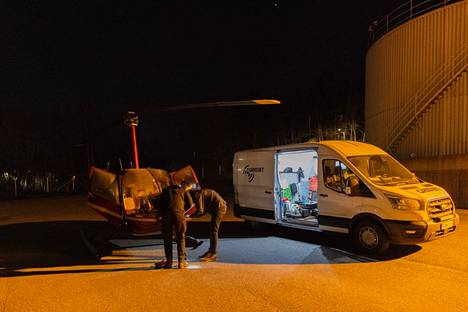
[{"x": 46, "y": 266}]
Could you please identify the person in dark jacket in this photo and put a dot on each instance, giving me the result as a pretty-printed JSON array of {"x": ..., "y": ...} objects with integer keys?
[
  {"x": 208, "y": 201},
  {"x": 173, "y": 201}
]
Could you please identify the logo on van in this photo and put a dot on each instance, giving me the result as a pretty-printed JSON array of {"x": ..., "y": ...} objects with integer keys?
[{"x": 250, "y": 172}]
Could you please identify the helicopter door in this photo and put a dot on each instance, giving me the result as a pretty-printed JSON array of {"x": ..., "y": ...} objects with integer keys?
[{"x": 185, "y": 174}]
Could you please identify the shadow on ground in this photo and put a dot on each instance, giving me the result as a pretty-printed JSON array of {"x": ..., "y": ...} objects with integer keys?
[{"x": 56, "y": 247}]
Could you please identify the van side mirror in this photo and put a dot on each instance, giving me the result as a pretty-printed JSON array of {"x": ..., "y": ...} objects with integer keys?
[{"x": 413, "y": 175}]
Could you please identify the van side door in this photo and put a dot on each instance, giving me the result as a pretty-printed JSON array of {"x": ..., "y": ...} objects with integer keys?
[{"x": 254, "y": 178}]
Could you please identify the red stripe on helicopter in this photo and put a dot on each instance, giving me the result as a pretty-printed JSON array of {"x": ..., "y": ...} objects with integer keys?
[
  {"x": 105, "y": 208},
  {"x": 104, "y": 203}
]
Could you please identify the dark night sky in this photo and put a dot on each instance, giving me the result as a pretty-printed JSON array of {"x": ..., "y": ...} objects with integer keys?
[{"x": 71, "y": 68}]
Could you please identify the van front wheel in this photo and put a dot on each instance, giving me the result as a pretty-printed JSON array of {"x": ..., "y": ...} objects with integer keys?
[{"x": 370, "y": 237}]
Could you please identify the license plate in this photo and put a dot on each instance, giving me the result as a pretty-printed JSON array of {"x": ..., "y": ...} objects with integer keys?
[{"x": 446, "y": 224}]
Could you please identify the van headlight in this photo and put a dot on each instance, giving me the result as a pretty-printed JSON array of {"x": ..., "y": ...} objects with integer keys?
[{"x": 404, "y": 203}]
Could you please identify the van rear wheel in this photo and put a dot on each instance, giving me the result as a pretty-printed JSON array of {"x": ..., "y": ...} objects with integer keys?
[{"x": 370, "y": 237}]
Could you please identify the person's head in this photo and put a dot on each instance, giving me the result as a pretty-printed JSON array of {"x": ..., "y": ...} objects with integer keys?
[{"x": 186, "y": 186}]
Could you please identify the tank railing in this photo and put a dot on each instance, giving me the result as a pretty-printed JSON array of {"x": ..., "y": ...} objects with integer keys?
[
  {"x": 426, "y": 95},
  {"x": 439, "y": 78},
  {"x": 434, "y": 77},
  {"x": 402, "y": 14}
]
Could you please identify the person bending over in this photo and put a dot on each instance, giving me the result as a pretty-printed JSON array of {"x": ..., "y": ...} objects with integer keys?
[{"x": 208, "y": 201}]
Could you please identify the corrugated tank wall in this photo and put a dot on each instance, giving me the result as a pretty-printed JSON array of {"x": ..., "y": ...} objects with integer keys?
[
  {"x": 443, "y": 130},
  {"x": 403, "y": 62}
]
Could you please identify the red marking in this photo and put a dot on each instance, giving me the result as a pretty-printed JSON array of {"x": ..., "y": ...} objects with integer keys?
[
  {"x": 313, "y": 183},
  {"x": 132, "y": 226},
  {"x": 135, "y": 148},
  {"x": 104, "y": 203},
  {"x": 195, "y": 176}
]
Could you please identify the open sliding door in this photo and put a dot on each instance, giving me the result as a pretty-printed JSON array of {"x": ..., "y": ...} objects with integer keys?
[
  {"x": 254, "y": 181},
  {"x": 296, "y": 184}
]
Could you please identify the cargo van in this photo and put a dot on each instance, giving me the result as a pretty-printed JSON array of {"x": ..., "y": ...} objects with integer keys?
[{"x": 341, "y": 186}]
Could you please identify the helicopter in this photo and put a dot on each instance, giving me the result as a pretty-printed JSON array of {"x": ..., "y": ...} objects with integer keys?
[{"x": 124, "y": 198}]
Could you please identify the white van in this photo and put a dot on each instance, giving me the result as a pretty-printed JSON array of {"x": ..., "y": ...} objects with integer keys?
[{"x": 341, "y": 186}]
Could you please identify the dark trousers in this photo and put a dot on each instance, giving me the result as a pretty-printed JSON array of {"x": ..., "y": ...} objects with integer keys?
[
  {"x": 216, "y": 218},
  {"x": 174, "y": 221}
]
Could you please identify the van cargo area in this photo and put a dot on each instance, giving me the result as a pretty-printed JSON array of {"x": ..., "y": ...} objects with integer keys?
[{"x": 297, "y": 183}]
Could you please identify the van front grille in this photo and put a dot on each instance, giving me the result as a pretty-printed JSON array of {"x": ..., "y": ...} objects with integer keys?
[{"x": 438, "y": 209}]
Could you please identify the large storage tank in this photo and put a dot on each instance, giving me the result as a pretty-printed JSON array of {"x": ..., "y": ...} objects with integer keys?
[{"x": 417, "y": 91}]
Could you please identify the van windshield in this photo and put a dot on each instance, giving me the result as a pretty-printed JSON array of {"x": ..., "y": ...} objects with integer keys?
[{"x": 383, "y": 170}]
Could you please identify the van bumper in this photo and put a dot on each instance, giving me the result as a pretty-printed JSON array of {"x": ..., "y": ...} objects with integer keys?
[{"x": 414, "y": 232}]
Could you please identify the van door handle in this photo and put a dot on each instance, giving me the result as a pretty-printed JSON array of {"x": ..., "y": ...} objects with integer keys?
[
  {"x": 267, "y": 192},
  {"x": 324, "y": 195}
]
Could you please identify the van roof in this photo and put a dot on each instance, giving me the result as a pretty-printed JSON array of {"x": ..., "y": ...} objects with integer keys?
[
  {"x": 353, "y": 148},
  {"x": 347, "y": 148}
]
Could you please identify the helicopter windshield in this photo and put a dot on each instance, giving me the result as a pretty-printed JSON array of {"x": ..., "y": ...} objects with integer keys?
[{"x": 383, "y": 170}]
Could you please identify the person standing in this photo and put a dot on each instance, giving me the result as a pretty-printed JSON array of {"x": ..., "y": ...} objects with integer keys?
[
  {"x": 172, "y": 212},
  {"x": 208, "y": 201}
]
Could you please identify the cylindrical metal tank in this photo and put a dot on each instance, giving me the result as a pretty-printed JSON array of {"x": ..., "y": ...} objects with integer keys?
[{"x": 417, "y": 95}]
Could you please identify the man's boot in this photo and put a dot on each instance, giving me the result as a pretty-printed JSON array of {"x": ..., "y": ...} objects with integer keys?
[
  {"x": 208, "y": 257},
  {"x": 164, "y": 264},
  {"x": 182, "y": 264}
]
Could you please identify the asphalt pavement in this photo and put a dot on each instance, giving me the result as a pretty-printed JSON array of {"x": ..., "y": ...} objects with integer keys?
[{"x": 45, "y": 266}]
